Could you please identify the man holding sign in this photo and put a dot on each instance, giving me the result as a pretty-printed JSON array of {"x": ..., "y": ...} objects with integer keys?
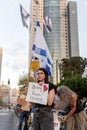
[{"x": 43, "y": 115}]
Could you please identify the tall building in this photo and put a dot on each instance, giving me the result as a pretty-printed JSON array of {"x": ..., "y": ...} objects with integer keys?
[
  {"x": 51, "y": 8},
  {"x": 60, "y": 41},
  {"x": 1, "y": 50},
  {"x": 36, "y": 11},
  {"x": 64, "y": 45},
  {"x": 73, "y": 29},
  {"x": 57, "y": 40}
]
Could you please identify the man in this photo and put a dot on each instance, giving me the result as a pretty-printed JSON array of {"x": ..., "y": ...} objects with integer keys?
[{"x": 24, "y": 112}]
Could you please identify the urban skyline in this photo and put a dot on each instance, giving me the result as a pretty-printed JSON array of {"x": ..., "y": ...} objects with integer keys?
[
  {"x": 14, "y": 38},
  {"x": 63, "y": 40}
]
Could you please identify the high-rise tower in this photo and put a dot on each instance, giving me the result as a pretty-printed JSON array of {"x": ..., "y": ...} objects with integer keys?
[
  {"x": 63, "y": 39},
  {"x": 57, "y": 40},
  {"x": 64, "y": 44},
  {"x": 51, "y": 8},
  {"x": 73, "y": 29},
  {"x": 36, "y": 13}
]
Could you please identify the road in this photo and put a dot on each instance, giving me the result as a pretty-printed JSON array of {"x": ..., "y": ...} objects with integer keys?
[{"x": 8, "y": 120}]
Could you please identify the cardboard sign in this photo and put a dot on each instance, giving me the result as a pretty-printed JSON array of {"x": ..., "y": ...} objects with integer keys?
[
  {"x": 56, "y": 121},
  {"x": 26, "y": 107},
  {"x": 37, "y": 93},
  {"x": 21, "y": 100}
]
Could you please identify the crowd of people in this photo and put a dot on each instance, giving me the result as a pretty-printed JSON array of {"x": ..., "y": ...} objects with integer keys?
[{"x": 61, "y": 98}]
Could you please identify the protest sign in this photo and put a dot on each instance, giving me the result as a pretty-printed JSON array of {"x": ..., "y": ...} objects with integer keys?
[
  {"x": 21, "y": 100},
  {"x": 37, "y": 93},
  {"x": 56, "y": 121}
]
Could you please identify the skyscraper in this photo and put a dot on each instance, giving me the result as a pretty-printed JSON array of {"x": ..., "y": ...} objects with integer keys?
[
  {"x": 73, "y": 29},
  {"x": 51, "y": 8},
  {"x": 64, "y": 35},
  {"x": 64, "y": 46},
  {"x": 36, "y": 13},
  {"x": 57, "y": 40}
]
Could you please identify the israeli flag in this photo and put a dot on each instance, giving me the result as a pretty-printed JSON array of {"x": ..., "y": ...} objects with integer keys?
[
  {"x": 24, "y": 16},
  {"x": 48, "y": 24},
  {"x": 41, "y": 51}
]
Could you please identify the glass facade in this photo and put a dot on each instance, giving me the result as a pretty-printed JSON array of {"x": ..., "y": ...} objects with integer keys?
[
  {"x": 63, "y": 39},
  {"x": 51, "y": 8}
]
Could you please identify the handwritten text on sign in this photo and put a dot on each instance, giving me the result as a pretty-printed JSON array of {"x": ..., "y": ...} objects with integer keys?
[{"x": 37, "y": 93}]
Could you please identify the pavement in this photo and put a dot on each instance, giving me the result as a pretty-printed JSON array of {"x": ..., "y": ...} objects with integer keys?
[{"x": 8, "y": 120}]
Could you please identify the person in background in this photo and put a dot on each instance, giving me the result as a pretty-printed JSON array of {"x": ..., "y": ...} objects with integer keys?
[
  {"x": 24, "y": 112},
  {"x": 84, "y": 101},
  {"x": 43, "y": 115},
  {"x": 76, "y": 118}
]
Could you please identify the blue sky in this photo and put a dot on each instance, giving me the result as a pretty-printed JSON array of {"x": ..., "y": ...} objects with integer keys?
[{"x": 14, "y": 38}]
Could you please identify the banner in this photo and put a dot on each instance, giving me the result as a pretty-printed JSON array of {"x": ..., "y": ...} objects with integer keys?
[
  {"x": 37, "y": 93},
  {"x": 24, "y": 16},
  {"x": 41, "y": 51},
  {"x": 48, "y": 24},
  {"x": 21, "y": 100}
]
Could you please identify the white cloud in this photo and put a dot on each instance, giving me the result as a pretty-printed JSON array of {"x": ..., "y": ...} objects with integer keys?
[{"x": 15, "y": 2}]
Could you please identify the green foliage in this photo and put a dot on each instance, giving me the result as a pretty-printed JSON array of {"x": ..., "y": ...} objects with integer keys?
[
  {"x": 31, "y": 79},
  {"x": 24, "y": 80},
  {"x": 77, "y": 84},
  {"x": 73, "y": 67},
  {"x": 72, "y": 70},
  {"x": 1, "y": 102}
]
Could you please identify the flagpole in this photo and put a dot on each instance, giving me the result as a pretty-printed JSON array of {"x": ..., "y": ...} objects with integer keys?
[
  {"x": 24, "y": 16},
  {"x": 29, "y": 55}
]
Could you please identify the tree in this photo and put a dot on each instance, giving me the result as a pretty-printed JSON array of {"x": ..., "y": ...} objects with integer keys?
[
  {"x": 24, "y": 80},
  {"x": 77, "y": 84},
  {"x": 72, "y": 67},
  {"x": 1, "y": 102}
]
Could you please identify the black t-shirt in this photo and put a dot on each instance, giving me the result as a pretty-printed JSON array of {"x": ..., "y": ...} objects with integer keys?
[
  {"x": 52, "y": 86},
  {"x": 79, "y": 106}
]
